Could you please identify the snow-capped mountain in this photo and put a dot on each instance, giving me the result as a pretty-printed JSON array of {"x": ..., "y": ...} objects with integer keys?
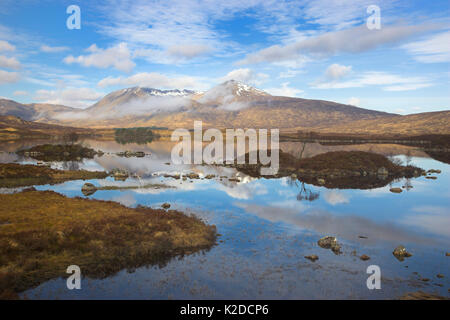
[{"x": 229, "y": 104}]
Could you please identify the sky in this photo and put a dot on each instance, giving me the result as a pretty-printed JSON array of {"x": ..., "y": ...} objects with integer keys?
[{"x": 323, "y": 49}]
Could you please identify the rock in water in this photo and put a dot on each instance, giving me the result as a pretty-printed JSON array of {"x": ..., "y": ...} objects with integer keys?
[
  {"x": 400, "y": 253},
  {"x": 364, "y": 257},
  {"x": 330, "y": 242},
  {"x": 165, "y": 205},
  {"x": 327, "y": 242},
  {"x": 396, "y": 190},
  {"x": 88, "y": 188},
  {"x": 312, "y": 257}
]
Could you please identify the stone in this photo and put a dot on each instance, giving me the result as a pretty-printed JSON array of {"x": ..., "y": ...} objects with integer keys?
[
  {"x": 364, "y": 257},
  {"x": 88, "y": 188},
  {"x": 400, "y": 253},
  {"x": 440, "y": 276},
  {"x": 396, "y": 190},
  {"x": 327, "y": 242},
  {"x": 165, "y": 205},
  {"x": 312, "y": 257}
]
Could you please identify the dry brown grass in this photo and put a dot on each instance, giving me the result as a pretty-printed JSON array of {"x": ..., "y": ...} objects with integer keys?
[
  {"x": 43, "y": 232},
  {"x": 16, "y": 175}
]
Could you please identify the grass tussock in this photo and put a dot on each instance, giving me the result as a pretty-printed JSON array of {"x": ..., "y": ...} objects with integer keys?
[
  {"x": 43, "y": 232},
  {"x": 17, "y": 175}
]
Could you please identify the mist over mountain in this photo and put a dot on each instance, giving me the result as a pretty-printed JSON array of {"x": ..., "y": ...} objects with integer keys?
[{"x": 227, "y": 105}]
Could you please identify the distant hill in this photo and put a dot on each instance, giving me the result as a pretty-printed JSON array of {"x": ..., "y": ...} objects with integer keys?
[
  {"x": 13, "y": 128},
  {"x": 33, "y": 111},
  {"x": 409, "y": 125},
  {"x": 228, "y": 105}
]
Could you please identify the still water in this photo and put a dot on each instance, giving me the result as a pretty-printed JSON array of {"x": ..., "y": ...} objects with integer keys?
[{"x": 266, "y": 229}]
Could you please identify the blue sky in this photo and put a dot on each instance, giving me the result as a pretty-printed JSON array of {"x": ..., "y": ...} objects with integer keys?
[{"x": 311, "y": 49}]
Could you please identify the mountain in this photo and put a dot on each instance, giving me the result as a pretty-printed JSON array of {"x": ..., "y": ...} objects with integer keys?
[
  {"x": 33, "y": 111},
  {"x": 121, "y": 98},
  {"x": 231, "y": 104}
]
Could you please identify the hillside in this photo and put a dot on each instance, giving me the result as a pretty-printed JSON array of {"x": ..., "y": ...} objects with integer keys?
[
  {"x": 409, "y": 125},
  {"x": 13, "y": 128}
]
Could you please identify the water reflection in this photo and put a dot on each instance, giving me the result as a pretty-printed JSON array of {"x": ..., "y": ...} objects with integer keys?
[{"x": 269, "y": 225}]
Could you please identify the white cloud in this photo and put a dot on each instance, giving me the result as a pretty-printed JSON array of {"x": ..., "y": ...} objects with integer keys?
[
  {"x": 285, "y": 91},
  {"x": 153, "y": 80},
  {"x": 353, "y": 101},
  {"x": 48, "y": 49},
  {"x": 188, "y": 51},
  {"x": 434, "y": 49},
  {"x": 389, "y": 82},
  {"x": 118, "y": 56},
  {"x": 72, "y": 97},
  {"x": 245, "y": 75},
  {"x": 20, "y": 93},
  {"x": 8, "y": 77},
  {"x": 6, "y": 46},
  {"x": 433, "y": 219},
  {"x": 337, "y": 71},
  {"x": 353, "y": 40},
  {"x": 11, "y": 63},
  {"x": 335, "y": 197}
]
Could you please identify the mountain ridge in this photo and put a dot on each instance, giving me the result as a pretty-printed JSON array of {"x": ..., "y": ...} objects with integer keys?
[{"x": 227, "y": 105}]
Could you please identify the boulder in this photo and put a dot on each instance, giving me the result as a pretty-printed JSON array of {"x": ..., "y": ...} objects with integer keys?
[
  {"x": 396, "y": 190},
  {"x": 400, "y": 253},
  {"x": 327, "y": 242},
  {"x": 165, "y": 205},
  {"x": 88, "y": 188}
]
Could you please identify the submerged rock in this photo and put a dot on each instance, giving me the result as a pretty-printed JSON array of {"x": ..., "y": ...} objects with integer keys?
[
  {"x": 364, "y": 257},
  {"x": 312, "y": 257},
  {"x": 400, "y": 253}
]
